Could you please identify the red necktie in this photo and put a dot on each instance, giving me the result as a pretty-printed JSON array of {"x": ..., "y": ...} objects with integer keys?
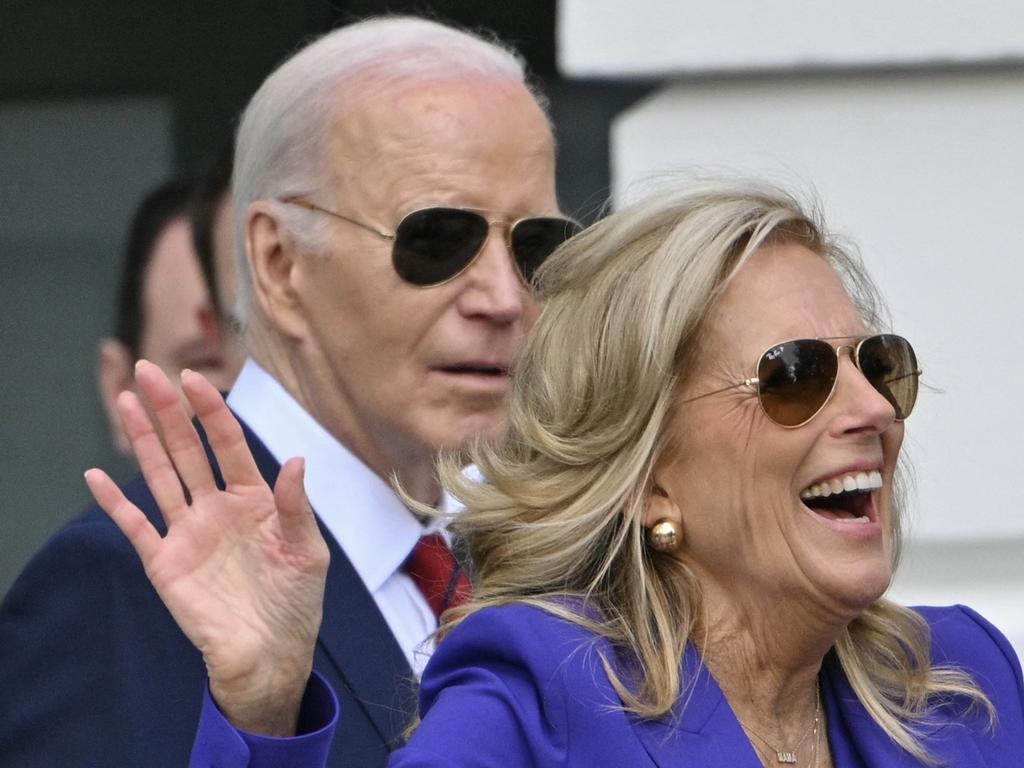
[{"x": 433, "y": 568}]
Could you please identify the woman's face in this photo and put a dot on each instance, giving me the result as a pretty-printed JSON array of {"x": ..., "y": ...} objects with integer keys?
[{"x": 737, "y": 477}]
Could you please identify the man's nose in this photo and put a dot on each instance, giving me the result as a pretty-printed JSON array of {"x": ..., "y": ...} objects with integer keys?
[{"x": 494, "y": 288}]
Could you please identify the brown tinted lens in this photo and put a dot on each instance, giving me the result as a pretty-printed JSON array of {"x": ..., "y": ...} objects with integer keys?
[
  {"x": 533, "y": 240},
  {"x": 795, "y": 379},
  {"x": 888, "y": 362},
  {"x": 435, "y": 244}
]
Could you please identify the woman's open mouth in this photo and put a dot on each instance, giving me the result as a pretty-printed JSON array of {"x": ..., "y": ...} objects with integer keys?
[{"x": 845, "y": 498}]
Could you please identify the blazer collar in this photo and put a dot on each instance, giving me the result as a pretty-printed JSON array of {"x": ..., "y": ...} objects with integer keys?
[
  {"x": 702, "y": 730},
  {"x": 706, "y": 733}
]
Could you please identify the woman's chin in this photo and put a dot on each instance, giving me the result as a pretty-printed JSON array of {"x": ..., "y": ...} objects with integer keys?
[{"x": 856, "y": 589}]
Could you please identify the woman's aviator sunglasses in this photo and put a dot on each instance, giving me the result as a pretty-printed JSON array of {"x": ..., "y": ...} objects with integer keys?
[
  {"x": 795, "y": 379},
  {"x": 433, "y": 245}
]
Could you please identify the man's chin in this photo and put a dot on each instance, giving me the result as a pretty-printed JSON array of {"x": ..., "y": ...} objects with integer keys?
[{"x": 462, "y": 430}]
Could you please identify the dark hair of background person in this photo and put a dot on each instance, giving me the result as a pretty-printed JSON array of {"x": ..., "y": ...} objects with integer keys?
[
  {"x": 158, "y": 209},
  {"x": 210, "y": 189}
]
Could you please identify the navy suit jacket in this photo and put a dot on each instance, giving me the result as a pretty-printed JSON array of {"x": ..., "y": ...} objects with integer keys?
[{"x": 95, "y": 672}]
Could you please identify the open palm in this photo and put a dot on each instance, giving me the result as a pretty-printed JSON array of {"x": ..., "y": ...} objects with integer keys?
[{"x": 241, "y": 569}]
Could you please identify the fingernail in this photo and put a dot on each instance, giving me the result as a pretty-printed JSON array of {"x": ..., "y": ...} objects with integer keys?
[
  {"x": 186, "y": 372},
  {"x": 140, "y": 362}
]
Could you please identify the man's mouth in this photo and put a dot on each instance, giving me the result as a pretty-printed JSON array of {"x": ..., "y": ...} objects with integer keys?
[
  {"x": 478, "y": 369},
  {"x": 844, "y": 498}
]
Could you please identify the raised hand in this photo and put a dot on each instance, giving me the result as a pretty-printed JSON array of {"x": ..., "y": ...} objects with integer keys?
[{"x": 241, "y": 570}]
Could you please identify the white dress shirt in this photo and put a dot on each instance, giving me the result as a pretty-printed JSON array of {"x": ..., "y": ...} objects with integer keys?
[{"x": 362, "y": 512}]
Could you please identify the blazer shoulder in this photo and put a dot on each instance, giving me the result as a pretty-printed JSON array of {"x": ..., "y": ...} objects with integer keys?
[
  {"x": 963, "y": 638},
  {"x": 518, "y": 685},
  {"x": 538, "y": 639},
  {"x": 532, "y": 651},
  {"x": 88, "y": 548},
  {"x": 960, "y": 635},
  {"x": 89, "y": 653}
]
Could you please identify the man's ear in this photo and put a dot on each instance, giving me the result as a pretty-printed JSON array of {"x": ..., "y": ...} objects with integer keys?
[
  {"x": 271, "y": 251},
  {"x": 113, "y": 376}
]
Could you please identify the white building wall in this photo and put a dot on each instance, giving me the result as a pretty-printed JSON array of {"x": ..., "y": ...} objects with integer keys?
[
  {"x": 922, "y": 166},
  {"x": 611, "y": 38}
]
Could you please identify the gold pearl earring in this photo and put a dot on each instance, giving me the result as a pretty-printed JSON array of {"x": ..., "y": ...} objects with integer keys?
[{"x": 665, "y": 536}]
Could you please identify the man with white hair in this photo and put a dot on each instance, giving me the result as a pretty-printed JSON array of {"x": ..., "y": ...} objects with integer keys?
[{"x": 394, "y": 189}]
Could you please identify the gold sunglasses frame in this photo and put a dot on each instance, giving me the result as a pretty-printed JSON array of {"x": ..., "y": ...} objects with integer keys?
[
  {"x": 488, "y": 216},
  {"x": 853, "y": 350}
]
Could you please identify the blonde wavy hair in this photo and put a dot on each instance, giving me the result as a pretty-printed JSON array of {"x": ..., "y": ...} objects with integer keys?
[{"x": 559, "y": 511}]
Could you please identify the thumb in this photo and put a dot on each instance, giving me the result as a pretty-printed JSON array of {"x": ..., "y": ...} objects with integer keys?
[{"x": 298, "y": 524}]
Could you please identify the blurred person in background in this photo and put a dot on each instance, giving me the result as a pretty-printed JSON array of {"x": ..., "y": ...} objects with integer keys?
[{"x": 164, "y": 313}]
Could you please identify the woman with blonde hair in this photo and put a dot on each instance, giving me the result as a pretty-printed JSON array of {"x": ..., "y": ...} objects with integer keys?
[{"x": 682, "y": 540}]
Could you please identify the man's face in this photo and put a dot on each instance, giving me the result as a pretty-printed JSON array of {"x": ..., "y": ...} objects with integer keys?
[
  {"x": 178, "y": 326},
  {"x": 404, "y": 371},
  {"x": 176, "y": 309}
]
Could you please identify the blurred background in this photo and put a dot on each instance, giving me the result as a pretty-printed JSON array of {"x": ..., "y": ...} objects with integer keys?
[{"x": 904, "y": 117}]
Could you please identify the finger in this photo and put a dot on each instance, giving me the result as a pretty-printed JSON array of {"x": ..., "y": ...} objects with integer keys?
[
  {"x": 295, "y": 515},
  {"x": 126, "y": 516},
  {"x": 183, "y": 444},
  {"x": 237, "y": 465},
  {"x": 155, "y": 464}
]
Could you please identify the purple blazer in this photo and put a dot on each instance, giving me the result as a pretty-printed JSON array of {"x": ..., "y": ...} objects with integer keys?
[{"x": 516, "y": 686}]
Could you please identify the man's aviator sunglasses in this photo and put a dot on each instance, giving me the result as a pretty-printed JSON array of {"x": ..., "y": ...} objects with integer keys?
[
  {"x": 433, "y": 245},
  {"x": 795, "y": 379}
]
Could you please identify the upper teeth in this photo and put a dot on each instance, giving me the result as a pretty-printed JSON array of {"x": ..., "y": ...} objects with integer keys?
[{"x": 855, "y": 481}]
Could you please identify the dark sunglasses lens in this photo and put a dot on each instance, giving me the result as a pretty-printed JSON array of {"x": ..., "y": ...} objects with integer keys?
[
  {"x": 435, "y": 244},
  {"x": 889, "y": 364},
  {"x": 533, "y": 240},
  {"x": 795, "y": 379}
]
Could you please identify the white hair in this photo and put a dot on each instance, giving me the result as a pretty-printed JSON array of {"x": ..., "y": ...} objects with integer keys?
[{"x": 283, "y": 137}]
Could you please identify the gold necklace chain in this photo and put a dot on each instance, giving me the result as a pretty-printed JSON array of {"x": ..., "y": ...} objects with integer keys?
[
  {"x": 817, "y": 740},
  {"x": 789, "y": 755}
]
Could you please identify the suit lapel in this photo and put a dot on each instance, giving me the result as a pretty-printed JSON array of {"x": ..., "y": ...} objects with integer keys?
[
  {"x": 702, "y": 732},
  {"x": 852, "y": 733},
  {"x": 363, "y": 650},
  {"x": 355, "y": 640},
  {"x": 858, "y": 742},
  {"x": 707, "y": 734}
]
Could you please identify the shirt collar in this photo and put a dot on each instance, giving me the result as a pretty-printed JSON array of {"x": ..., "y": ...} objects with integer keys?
[{"x": 361, "y": 510}]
